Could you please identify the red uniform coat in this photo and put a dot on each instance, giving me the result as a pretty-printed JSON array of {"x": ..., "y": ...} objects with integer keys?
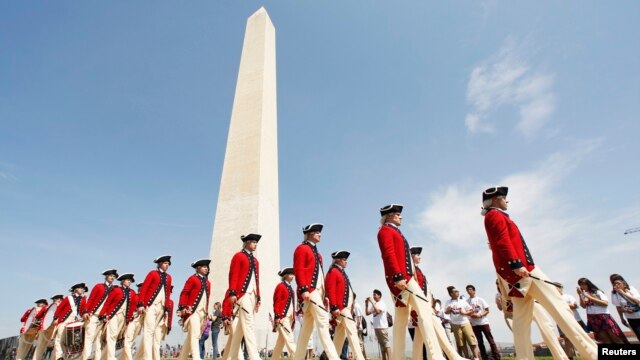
[
  {"x": 307, "y": 267},
  {"x": 338, "y": 288},
  {"x": 116, "y": 300},
  {"x": 98, "y": 295},
  {"x": 151, "y": 287},
  {"x": 422, "y": 281},
  {"x": 194, "y": 289},
  {"x": 39, "y": 318},
  {"x": 283, "y": 299},
  {"x": 240, "y": 271},
  {"x": 169, "y": 315},
  {"x": 396, "y": 257},
  {"x": 508, "y": 247},
  {"x": 24, "y": 319},
  {"x": 227, "y": 309},
  {"x": 64, "y": 310}
]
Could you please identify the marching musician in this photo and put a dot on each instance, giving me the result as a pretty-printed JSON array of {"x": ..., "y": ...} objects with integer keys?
[
  {"x": 400, "y": 277},
  {"x": 230, "y": 322},
  {"x": 307, "y": 268},
  {"x": 67, "y": 312},
  {"x": 134, "y": 327},
  {"x": 28, "y": 335},
  {"x": 244, "y": 293},
  {"x": 44, "y": 336},
  {"x": 192, "y": 307},
  {"x": 152, "y": 302},
  {"x": 514, "y": 264},
  {"x": 418, "y": 343},
  {"x": 93, "y": 327},
  {"x": 341, "y": 299},
  {"x": 116, "y": 312},
  {"x": 283, "y": 310}
]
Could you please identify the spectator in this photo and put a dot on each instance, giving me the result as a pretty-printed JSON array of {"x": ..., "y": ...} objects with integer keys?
[
  {"x": 627, "y": 301},
  {"x": 216, "y": 324},
  {"x": 480, "y": 323},
  {"x": 361, "y": 324},
  {"x": 379, "y": 310},
  {"x": 599, "y": 319},
  {"x": 459, "y": 311},
  {"x": 204, "y": 337}
]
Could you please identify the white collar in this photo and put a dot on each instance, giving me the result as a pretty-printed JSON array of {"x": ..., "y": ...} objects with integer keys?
[{"x": 392, "y": 224}]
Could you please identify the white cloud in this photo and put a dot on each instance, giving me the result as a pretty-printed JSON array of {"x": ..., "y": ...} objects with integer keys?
[
  {"x": 507, "y": 79},
  {"x": 566, "y": 242}
]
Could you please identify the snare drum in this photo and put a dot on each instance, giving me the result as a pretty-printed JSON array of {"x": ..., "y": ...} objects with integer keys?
[
  {"x": 47, "y": 321},
  {"x": 32, "y": 327},
  {"x": 73, "y": 339}
]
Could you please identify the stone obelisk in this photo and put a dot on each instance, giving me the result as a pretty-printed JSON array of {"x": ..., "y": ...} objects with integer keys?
[{"x": 248, "y": 198}]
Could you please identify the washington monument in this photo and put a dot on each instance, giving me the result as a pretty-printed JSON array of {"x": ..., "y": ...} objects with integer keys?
[{"x": 248, "y": 197}]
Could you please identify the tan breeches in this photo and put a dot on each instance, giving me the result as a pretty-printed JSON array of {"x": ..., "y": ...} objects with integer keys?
[
  {"x": 152, "y": 319},
  {"x": 112, "y": 329},
  {"x": 92, "y": 333},
  {"x": 133, "y": 330},
  {"x": 193, "y": 325},
  {"x": 43, "y": 341},
  {"x": 550, "y": 300},
  {"x": 315, "y": 315},
  {"x": 245, "y": 329},
  {"x": 425, "y": 323},
  {"x": 285, "y": 338},
  {"x": 347, "y": 329},
  {"x": 24, "y": 345}
]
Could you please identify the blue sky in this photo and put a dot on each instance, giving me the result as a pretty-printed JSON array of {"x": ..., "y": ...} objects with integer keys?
[{"x": 114, "y": 117}]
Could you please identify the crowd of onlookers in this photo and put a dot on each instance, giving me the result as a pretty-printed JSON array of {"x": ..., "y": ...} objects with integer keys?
[{"x": 464, "y": 317}]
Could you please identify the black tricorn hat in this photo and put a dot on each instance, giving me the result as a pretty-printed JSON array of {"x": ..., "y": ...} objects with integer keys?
[
  {"x": 340, "y": 254},
  {"x": 393, "y": 208},
  {"x": 139, "y": 285},
  {"x": 42, "y": 301},
  {"x": 312, "y": 227},
  {"x": 78, "y": 285},
  {"x": 110, "y": 272},
  {"x": 57, "y": 297},
  {"x": 416, "y": 250},
  {"x": 201, "y": 262},
  {"x": 127, "y": 276},
  {"x": 494, "y": 191},
  {"x": 285, "y": 271},
  {"x": 250, "y": 237},
  {"x": 163, "y": 258}
]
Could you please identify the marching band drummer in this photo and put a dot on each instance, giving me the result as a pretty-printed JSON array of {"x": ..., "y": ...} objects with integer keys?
[
  {"x": 28, "y": 335},
  {"x": 93, "y": 327},
  {"x": 193, "y": 305},
  {"x": 67, "y": 312},
  {"x": 116, "y": 312},
  {"x": 43, "y": 335}
]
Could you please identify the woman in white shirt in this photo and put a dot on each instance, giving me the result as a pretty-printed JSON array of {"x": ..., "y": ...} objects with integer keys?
[
  {"x": 598, "y": 317},
  {"x": 627, "y": 301}
]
